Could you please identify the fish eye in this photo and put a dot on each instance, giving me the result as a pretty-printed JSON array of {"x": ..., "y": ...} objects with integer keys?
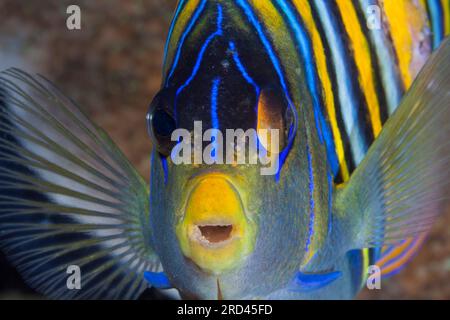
[{"x": 161, "y": 124}]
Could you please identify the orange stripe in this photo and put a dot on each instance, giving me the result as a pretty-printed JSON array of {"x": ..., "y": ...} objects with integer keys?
[
  {"x": 394, "y": 253},
  {"x": 405, "y": 258}
]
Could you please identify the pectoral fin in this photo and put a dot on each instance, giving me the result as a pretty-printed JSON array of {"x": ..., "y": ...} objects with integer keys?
[
  {"x": 157, "y": 280},
  {"x": 68, "y": 197},
  {"x": 402, "y": 185},
  {"x": 306, "y": 282}
]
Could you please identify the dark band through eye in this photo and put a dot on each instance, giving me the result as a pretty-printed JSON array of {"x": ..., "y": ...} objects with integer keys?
[{"x": 163, "y": 124}]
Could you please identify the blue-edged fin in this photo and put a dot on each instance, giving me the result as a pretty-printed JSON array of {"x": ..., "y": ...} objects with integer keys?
[
  {"x": 304, "y": 282},
  {"x": 402, "y": 184},
  {"x": 157, "y": 280},
  {"x": 68, "y": 196}
]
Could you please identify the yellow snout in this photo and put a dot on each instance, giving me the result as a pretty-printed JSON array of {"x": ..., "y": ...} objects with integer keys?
[{"x": 215, "y": 232}]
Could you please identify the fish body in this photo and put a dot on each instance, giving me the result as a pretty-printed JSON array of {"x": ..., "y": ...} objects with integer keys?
[
  {"x": 362, "y": 164},
  {"x": 346, "y": 78}
]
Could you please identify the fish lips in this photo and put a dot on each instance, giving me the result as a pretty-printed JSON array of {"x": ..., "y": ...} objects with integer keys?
[{"x": 214, "y": 232}]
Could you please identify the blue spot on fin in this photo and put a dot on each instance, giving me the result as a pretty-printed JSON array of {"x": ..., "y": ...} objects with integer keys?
[
  {"x": 157, "y": 280},
  {"x": 307, "y": 282}
]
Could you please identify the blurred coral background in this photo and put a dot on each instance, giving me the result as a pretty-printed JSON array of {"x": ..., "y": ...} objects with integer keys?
[{"x": 112, "y": 69}]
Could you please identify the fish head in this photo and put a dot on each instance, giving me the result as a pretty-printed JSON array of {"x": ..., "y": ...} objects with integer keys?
[{"x": 228, "y": 229}]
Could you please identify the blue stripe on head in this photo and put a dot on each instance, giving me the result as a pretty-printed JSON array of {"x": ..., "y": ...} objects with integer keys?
[
  {"x": 214, "y": 115},
  {"x": 219, "y": 19},
  {"x": 192, "y": 23},
  {"x": 214, "y": 94},
  {"x": 172, "y": 25},
  {"x": 197, "y": 63},
  {"x": 246, "y": 76},
  {"x": 437, "y": 21},
  {"x": 217, "y": 33},
  {"x": 254, "y": 21},
  {"x": 242, "y": 69}
]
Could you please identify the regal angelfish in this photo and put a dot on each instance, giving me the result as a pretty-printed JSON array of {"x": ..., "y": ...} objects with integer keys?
[{"x": 363, "y": 116}]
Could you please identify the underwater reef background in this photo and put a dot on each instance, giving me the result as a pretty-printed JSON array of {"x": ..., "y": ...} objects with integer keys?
[{"x": 112, "y": 69}]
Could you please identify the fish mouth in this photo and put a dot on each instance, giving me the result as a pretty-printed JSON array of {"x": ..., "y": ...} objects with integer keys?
[
  {"x": 214, "y": 232},
  {"x": 213, "y": 235}
]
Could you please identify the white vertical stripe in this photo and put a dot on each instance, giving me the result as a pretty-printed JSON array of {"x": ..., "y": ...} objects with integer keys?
[
  {"x": 345, "y": 90},
  {"x": 386, "y": 61}
]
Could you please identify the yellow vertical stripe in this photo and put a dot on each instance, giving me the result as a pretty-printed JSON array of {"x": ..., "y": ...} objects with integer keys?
[
  {"x": 304, "y": 9},
  {"x": 423, "y": 3},
  {"x": 365, "y": 264},
  {"x": 396, "y": 14},
  {"x": 363, "y": 61},
  {"x": 446, "y": 12},
  {"x": 178, "y": 29},
  {"x": 407, "y": 20}
]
